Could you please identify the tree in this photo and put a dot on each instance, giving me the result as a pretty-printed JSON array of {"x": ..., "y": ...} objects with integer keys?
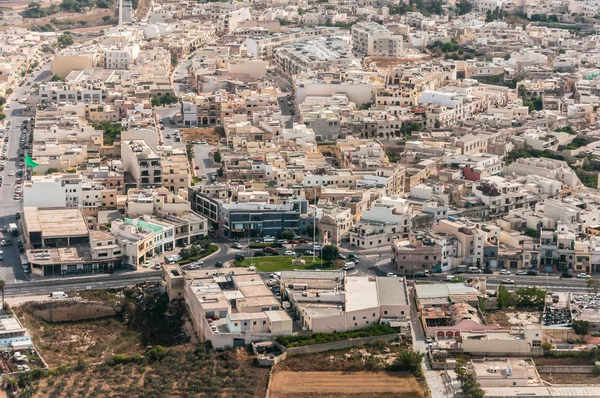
[
  {"x": 530, "y": 297},
  {"x": 593, "y": 285},
  {"x": 57, "y": 78},
  {"x": 409, "y": 361},
  {"x": 464, "y": 7},
  {"x": 65, "y": 40},
  {"x": 220, "y": 172},
  {"x": 287, "y": 234},
  {"x": 174, "y": 60},
  {"x": 311, "y": 228},
  {"x": 12, "y": 384},
  {"x": 437, "y": 124},
  {"x": 155, "y": 102},
  {"x": 217, "y": 157},
  {"x": 330, "y": 253},
  {"x": 2, "y": 101},
  {"x": 2, "y": 287},
  {"x": 503, "y": 297},
  {"x": 581, "y": 327}
]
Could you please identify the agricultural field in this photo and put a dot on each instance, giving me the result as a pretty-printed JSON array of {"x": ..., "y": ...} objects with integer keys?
[
  {"x": 366, "y": 371},
  {"x": 141, "y": 352},
  {"x": 344, "y": 384}
]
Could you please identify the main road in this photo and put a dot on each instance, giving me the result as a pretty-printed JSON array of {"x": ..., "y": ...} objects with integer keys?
[{"x": 10, "y": 267}]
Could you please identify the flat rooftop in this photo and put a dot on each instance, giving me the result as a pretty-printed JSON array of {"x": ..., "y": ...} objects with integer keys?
[
  {"x": 55, "y": 223},
  {"x": 443, "y": 290},
  {"x": 391, "y": 291},
  {"x": 9, "y": 323},
  {"x": 361, "y": 293},
  {"x": 506, "y": 368}
]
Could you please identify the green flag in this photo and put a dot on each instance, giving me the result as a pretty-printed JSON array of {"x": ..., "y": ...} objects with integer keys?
[{"x": 29, "y": 162}]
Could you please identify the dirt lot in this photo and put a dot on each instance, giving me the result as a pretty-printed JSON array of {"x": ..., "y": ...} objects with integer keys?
[
  {"x": 513, "y": 318},
  {"x": 556, "y": 378},
  {"x": 343, "y": 384},
  {"x": 200, "y": 133},
  {"x": 109, "y": 357},
  {"x": 96, "y": 340}
]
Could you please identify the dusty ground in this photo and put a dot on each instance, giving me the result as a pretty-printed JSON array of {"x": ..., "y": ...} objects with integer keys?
[
  {"x": 384, "y": 62},
  {"x": 343, "y": 384},
  {"x": 200, "y": 133},
  {"x": 513, "y": 318},
  {"x": 556, "y": 378},
  {"x": 95, "y": 340}
]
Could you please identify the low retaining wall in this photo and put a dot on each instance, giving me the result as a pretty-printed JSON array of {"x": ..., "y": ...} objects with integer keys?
[
  {"x": 337, "y": 345},
  {"x": 67, "y": 311},
  {"x": 564, "y": 369}
]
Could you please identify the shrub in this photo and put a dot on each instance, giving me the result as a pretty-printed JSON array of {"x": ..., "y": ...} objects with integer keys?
[
  {"x": 157, "y": 353},
  {"x": 321, "y": 338}
]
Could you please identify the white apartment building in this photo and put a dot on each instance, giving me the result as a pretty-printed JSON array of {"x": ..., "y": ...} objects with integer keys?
[
  {"x": 142, "y": 162},
  {"x": 53, "y": 190},
  {"x": 373, "y": 39},
  {"x": 120, "y": 58}
]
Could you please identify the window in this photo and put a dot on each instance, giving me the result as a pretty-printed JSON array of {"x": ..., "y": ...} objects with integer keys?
[
  {"x": 254, "y": 323},
  {"x": 235, "y": 324},
  {"x": 384, "y": 312},
  {"x": 401, "y": 312},
  {"x": 353, "y": 318},
  {"x": 373, "y": 315}
]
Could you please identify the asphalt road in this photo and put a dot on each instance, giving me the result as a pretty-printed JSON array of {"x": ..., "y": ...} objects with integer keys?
[{"x": 10, "y": 267}]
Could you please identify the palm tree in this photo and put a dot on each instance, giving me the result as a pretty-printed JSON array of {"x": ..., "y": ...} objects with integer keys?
[
  {"x": 11, "y": 383},
  {"x": 2, "y": 286}
]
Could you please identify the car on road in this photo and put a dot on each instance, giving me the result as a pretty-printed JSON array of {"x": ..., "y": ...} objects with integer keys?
[
  {"x": 532, "y": 272},
  {"x": 219, "y": 264},
  {"x": 318, "y": 248},
  {"x": 521, "y": 272},
  {"x": 202, "y": 142},
  {"x": 391, "y": 275},
  {"x": 341, "y": 257},
  {"x": 583, "y": 276},
  {"x": 147, "y": 264},
  {"x": 5, "y": 242},
  {"x": 197, "y": 168},
  {"x": 290, "y": 253},
  {"x": 504, "y": 272},
  {"x": 354, "y": 260},
  {"x": 308, "y": 253},
  {"x": 507, "y": 282},
  {"x": 259, "y": 254},
  {"x": 11, "y": 173},
  {"x": 236, "y": 245}
]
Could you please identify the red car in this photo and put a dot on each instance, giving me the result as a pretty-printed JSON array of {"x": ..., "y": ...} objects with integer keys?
[
  {"x": 197, "y": 168},
  {"x": 293, "y": 242}
]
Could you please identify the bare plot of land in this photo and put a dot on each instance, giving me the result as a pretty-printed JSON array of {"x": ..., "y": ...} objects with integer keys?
[
  {"x": 200, "y": 133},
  {"x": 343, "y": 384},
  {"x": 513, "y": 318}
]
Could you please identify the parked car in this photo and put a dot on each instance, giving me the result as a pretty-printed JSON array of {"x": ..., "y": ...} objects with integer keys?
[
  {"x": 521, "y": 272},
  {"x": 583, "y": 276},
  {"x": 341, "y": 257},
  {"x": 290, "y": 253},
  {"x": 219, "y": 264},
  {"x": 318, "y": 248},
  {"x": 504, "y": 272},
  {"x": 308, "y": 253},
  {"x": 532, "y": 272},
  {"x": 566, "y": 275},
  {"x": 259, "y": 254}
]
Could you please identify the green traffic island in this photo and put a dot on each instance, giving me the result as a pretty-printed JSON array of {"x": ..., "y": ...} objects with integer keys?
[
  {"x": 196, "y": 253},
  {"x": 285, "y": 263}
]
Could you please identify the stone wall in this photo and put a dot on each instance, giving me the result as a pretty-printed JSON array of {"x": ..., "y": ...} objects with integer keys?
[
  {"x": 337, "y": 345},
  {"x": 564, "y": 369},
  {"x": 71, "y": 310}
]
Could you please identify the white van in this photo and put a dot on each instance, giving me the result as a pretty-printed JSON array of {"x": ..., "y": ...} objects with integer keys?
[
  {"x": 58, "y": 295},
  {"x": 269, "y": 240},
  {"x": 349, "y": 266},
  {"x": 474, "y": 270},
  {"x": 25, "y": 263}
]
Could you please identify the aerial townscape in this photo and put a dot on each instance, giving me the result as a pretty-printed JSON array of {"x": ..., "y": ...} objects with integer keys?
[{"x": 299, "y": 198}]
